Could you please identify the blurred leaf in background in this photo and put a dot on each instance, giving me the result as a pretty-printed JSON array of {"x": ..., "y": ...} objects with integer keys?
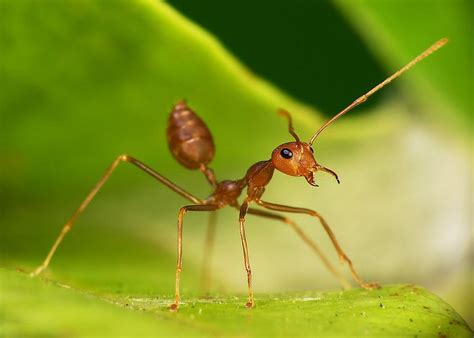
[
  {"x": 308, "y": 49},
  {"x": 82, "y": 82},
  {"x": 311, "y": 51}
]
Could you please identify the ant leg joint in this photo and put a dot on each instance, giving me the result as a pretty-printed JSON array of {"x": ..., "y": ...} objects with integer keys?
[
  {"x": 361, "y": 99},
  {"x": 345, "y": 258},
  {"x": 124, "y": 157},
  {"x": 67, "y": 228},
  {"x": 182, "y": 211}
]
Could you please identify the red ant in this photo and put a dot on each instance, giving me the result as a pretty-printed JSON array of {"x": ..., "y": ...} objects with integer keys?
[{"x": 192, "y": 145}]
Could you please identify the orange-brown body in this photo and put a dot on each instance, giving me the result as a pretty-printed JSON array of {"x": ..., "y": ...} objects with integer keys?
[
  {"x": 189, "y": 139},
  {"x": 191, "y": 143}
]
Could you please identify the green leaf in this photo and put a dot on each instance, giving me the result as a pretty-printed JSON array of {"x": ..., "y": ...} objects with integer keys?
[
  {"x": 393, "y": 310},
  {"x": 85, "y": 81}
]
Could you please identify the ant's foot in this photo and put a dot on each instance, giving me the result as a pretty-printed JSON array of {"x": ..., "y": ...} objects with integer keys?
[
  {"x": 37, "y": 271},
  {"x": 173, "y": 307},
  {"x": 344, "y": 259},
  {"x": 371, "y": 286},
  {"x": 249, "y": 304}
]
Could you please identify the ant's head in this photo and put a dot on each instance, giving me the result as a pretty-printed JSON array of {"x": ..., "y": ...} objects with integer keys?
[{"x": 297, "y": 158}]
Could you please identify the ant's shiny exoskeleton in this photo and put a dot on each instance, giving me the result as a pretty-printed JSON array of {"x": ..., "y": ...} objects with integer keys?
[{"x": 192, "y": 145}]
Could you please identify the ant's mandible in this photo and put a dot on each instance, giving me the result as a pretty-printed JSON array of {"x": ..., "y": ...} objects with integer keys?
[{"x": 192, "y": 145}]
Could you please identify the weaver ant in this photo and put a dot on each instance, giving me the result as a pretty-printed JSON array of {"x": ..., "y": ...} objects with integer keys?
[{"x": 191, "y": 143}]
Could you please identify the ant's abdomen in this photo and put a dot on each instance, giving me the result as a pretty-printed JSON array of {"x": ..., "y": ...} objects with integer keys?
[{"x": 189, "y": 139}]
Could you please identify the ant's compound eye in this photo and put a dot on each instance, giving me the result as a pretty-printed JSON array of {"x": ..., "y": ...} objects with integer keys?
[{"x": 286, "y": 153}]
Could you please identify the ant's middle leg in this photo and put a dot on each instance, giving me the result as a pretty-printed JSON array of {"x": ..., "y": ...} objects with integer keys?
[
  {"x": 343, "y": 257},
  {"x": 179, "y": 264},
  {"x": 262, "y": 213},
  {"x": 122, "y": 158}
]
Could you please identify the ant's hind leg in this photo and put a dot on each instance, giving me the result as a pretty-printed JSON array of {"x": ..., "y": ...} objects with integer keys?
[
  {"x": 179, "y": 264},
  {"x": 342, "y": 256},
  {"x": 122, "y": 158},
  {"x": 342, "y": 280}
]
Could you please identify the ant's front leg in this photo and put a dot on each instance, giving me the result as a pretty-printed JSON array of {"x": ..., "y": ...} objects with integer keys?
[
  {"x": 122, "y": 158},
  {"x": 243, "y": 238},
  {"x": 343, "y": 257}
]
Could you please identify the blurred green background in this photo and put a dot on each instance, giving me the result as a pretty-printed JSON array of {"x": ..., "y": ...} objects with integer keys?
[{"x": 84, "y": 81}]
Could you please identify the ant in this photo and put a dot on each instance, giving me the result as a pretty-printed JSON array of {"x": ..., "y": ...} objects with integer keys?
[{"x": 191, "y": 144}]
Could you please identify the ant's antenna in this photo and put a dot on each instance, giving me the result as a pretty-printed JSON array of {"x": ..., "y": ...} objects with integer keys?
[
  {"x": 291, "y": 130},
  {"x": 364, "y": 97}
]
